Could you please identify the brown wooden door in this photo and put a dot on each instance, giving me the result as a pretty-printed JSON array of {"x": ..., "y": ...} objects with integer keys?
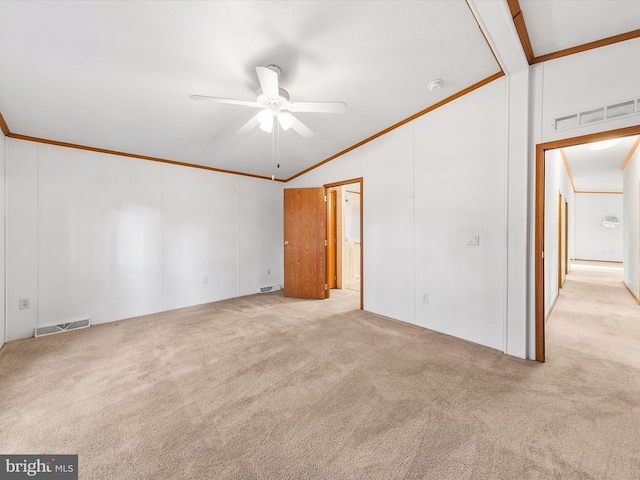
[{"x": 305, "y": 234}]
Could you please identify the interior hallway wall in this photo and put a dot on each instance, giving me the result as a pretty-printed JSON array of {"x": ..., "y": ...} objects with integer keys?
[
  {"x": 592, "y": 240},
  {"x": 110, "y": 237},
  {"x": 556, "y": 180},
  {"x": 631, "y": 212}
]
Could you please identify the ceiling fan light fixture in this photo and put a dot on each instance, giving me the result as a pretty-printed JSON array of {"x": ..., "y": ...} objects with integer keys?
[
  {"x": 266, "y": 121},
  {"x": 285, "y": 121},
  {"x": 266, "y": 127},
  {"x": 275, "y": 102}
]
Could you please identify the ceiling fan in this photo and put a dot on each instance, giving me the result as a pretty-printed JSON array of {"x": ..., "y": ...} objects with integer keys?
[{"x": 275, "y": 103}]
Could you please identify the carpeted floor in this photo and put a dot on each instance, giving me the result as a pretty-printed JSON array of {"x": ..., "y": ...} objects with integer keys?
[{"x": 274, "y": 388}]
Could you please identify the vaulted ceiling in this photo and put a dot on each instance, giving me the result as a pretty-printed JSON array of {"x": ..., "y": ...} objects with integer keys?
[
  {"x": 117, "y": 76},
  {"x": 559, "y": 25}
]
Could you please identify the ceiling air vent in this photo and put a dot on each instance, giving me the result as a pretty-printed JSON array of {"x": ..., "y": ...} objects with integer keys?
[{"x": 597, "y": 115}]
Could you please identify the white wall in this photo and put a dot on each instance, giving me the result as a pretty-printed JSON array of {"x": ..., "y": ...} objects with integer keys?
[
  {"x": 2, "y": 259},
  {"x": 460, "y": 179},
  {"x": 518, "y": 172},
  {"x": 21, "y": 237},
  {"x": 556, "y": 180},
  {"x": 98, "y": 236},
  {"x": 261, "y": 233},
  {"x": 427, "y": 185},
  {"x": 592, "y": 240},
  {"x": 108, "y": 237},
  {"x": 631, "y": 212},
  {"x": 389, "y": 263}
]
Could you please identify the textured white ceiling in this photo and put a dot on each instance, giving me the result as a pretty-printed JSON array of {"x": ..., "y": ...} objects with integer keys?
[
  {"x": 599, "y": 170},
  {"x": 118, "y": 75},
  {"x": 555, "y": 25}
]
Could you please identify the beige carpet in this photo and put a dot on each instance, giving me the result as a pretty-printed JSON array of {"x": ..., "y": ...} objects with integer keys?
[{"x": 273, "y": 388}]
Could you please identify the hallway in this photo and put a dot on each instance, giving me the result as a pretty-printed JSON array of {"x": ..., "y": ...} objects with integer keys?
[{"x": 595, "y": 319}]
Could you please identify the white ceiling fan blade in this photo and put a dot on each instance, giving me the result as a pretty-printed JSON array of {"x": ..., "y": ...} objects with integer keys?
[
  {"x": 268, "y": 82},
  {"x": 298, "y": 126},
  {"x": 251, "y": 124},
  {"x": 224, "y": 100},
  {"x": 318, "y": 107}
]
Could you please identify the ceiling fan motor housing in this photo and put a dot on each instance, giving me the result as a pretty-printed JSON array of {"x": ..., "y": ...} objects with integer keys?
[
  {"x": 282, "y": 100},
  {"x": 275, "y": 68}
]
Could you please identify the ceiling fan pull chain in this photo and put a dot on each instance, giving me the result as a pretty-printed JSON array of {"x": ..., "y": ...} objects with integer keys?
[{"x": 273, "y": 150}]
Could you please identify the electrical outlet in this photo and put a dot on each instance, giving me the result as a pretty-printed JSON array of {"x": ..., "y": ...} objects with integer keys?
[
  {"x": 268, "y": 271},
  {"x": 425, "y": 298},
  {"x": 473, "y": 239},
  {"x": 24, "y": 303},
  {"x": 205, "y": 280}
]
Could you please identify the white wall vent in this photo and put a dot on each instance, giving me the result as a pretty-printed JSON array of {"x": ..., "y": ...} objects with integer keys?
[
  {"x": 62, "y": 327},
  {"x": 591, "y": 116},
  {"x": 597, "y": 115},
  {"x": 270, "y": 288},
  {"x": 566, "y": 122},
  {"x": 620, "y": 109}
]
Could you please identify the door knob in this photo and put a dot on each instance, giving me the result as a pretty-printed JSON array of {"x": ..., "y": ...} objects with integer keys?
[{"x": 286, "y": 243}]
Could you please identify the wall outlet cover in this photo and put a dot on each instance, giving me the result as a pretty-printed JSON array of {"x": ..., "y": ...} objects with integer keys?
[{"x": 473, "y": 239}]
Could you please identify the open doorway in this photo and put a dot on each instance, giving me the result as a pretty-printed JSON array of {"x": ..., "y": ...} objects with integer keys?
[
  {"x": 312, "y": 228},
  {"x": 344, "y": 236},
  {"x": 344, "y": 227},
  {"x": 554, "y": 248}
]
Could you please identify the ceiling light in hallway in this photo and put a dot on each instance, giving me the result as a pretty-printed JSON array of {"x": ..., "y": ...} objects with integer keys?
[{"x": 603, "y": 144}]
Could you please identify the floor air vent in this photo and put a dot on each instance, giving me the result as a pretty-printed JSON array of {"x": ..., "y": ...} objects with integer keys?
[
  {"x": 62, "y": 327},
  {"x": 270, "y": 288}
]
